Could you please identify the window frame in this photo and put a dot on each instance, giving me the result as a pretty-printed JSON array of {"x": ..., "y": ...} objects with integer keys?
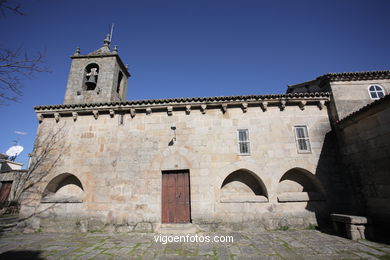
[
  {"x": 306, "y": 138},
  {"x": 376, "y": 91},
  {"x": 247, "y": 141}
]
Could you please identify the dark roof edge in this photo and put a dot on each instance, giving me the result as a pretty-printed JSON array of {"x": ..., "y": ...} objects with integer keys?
[
  {"x": 360, "y": 75},
  {"x": 345, "y": 76},
  {"x": 302, "y": 83},
  {"x": 8, "y": 171},
  {"x": 193, "y": 99},
  {"x": 346, "y": 121}
]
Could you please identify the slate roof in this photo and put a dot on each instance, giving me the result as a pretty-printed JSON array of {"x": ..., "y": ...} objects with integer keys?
[{"x": 198, "y": 100}]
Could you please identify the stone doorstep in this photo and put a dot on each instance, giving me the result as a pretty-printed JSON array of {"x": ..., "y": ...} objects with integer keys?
[{"x": 176, "y": 228}]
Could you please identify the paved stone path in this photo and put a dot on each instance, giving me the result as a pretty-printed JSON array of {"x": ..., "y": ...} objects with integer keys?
[{"x": 292, "y": 244}]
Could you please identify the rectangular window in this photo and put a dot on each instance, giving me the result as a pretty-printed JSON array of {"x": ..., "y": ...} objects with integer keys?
[
  {"x": 302, "y": 138},
  {"x": 243, "y": 141}
]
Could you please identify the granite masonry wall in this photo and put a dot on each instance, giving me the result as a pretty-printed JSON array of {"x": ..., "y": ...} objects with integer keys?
[
  {"x": 108, "y": 169},
  {"x": 350, "y": 96},
  {"x": 364, "y": 139}
]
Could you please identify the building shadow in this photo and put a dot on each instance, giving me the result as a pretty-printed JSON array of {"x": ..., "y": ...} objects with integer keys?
[
  {"x": 337, "y": 190},
  {"x": 22, "y": 255},
  {"x": 342, "y": 194}
]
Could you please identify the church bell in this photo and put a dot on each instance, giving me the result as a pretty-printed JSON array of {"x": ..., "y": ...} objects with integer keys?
[{"x": 91, "y": 82}]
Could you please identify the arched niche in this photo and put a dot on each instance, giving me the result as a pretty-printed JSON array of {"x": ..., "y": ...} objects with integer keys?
[
  {"x": 299, "y": 185},
  {"x": 64, "y": 188},
  {"x": 243, "y": 186}
]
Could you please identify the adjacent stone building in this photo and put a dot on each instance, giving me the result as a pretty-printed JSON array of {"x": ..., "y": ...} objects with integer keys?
[
  {"x": 11, "y": 174},
  {"x": 364, "y": 139},
  {"x": 256, "y": 161}
]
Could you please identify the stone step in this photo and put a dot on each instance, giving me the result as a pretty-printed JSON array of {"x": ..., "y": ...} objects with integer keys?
[
  {"x": 177, "y": 228},
  {"x": 8, "y": 222},
  {"x": 9, "y": 216},
  {"x": 8, "y": 225}
]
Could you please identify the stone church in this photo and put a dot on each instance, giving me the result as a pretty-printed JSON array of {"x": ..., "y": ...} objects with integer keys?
[{"x": 254, "y": 161}]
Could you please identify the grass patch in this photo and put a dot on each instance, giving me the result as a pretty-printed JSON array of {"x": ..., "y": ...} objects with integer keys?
[
  {"x": 283, "y": 228},
  {"x": 312, "y": 227},
  {"x": 286, "y": 245},
  {"x": 215, "y": 253},
  {"x": 384, "y": 257},
  {"x": 96, "y": 231}
]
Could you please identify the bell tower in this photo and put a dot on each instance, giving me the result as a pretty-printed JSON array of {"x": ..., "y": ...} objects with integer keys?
[{"x": 97, "y": 77}]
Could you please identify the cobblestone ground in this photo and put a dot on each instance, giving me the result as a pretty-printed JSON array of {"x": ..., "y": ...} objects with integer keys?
[{"x": 302, "y": 244}]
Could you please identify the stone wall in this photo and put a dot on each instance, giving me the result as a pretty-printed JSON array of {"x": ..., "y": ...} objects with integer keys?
[
  {"x": 349, "y": 96},
  {"x": 118, "y": 161},
  {"x": 365, "y": 144}
]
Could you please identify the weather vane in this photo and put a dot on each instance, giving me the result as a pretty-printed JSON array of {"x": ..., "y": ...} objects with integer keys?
[{"x": 111, "y": 31}]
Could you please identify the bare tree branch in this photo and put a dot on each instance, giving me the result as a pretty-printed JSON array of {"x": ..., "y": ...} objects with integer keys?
[
  {"x": 16, "y": 66},
  {"x": 6, "y": 5},
  {"x": 46, "y": 154}
]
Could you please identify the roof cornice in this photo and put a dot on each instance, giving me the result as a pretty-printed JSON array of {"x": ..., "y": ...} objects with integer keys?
[
  {"x": 183, "y": 104},
  {"x": 191, "y": 100}
]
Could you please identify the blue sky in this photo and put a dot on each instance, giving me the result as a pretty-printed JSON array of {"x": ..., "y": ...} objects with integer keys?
[{"x": 188, "y": 48}]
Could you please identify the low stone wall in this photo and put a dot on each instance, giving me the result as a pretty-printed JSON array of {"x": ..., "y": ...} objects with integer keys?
[{"x": 50, "y": 223}]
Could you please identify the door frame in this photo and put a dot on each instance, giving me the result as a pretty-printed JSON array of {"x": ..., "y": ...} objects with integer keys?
[
  {"x": 9, "y": 185},
  {"x": 187, "y": 171}
]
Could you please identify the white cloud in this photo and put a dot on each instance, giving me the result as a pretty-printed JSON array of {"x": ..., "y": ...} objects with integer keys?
[{"x": 20, "y": 133}]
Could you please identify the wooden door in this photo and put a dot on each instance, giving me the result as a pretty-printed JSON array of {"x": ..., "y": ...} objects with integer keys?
[
  {"x": 5, "y": 190},
  {"x": 175, "y": 197}
]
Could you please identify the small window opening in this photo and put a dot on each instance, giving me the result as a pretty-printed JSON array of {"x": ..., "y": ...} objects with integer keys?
[
  {"x": 91, "y": 76},
  {"x": 243, "y": 141},
  {"x": 302, "y": 139},
  {"x": 120, "y": 77},
  {"x": 376, "y": 92}
]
